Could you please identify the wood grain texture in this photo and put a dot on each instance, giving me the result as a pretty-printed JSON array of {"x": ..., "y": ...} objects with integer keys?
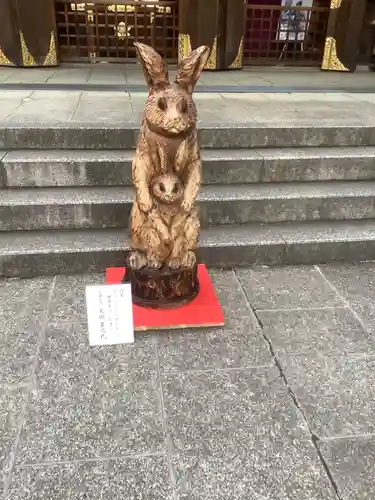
[{"x": 166, "y": 169}]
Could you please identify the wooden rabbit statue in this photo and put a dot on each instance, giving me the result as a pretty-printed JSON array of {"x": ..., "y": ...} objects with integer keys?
[{"x": 166, "y": 169}]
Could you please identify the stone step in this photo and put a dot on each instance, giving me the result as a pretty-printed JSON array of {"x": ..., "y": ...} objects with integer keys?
[
  {"x": 93, "y": 207},
  {"x": 36, "y": 253},
  {"x": 77, "y": 135},
  {"x": 29, "y": 168}
]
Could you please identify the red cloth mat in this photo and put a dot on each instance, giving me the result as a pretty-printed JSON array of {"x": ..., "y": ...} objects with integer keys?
[{"x": 203, "y": 311}]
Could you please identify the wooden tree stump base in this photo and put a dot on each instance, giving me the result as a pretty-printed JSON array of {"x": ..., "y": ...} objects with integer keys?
[{"x": 163, "y": 288}]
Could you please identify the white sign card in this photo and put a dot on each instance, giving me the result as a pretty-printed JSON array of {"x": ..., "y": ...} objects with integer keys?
[{"x": 109, "y": 314}]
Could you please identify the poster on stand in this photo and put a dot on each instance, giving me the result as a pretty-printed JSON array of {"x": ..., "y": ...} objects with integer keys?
[{"x": 293, "y": 24}]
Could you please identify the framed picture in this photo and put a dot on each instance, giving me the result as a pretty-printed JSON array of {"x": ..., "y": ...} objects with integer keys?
[{"x": 293, "y": 23}]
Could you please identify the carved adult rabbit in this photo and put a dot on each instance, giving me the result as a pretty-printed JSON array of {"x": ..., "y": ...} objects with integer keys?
[{"x": 167, "y": 144}]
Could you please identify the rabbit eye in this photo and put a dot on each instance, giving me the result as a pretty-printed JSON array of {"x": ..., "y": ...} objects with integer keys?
[
  {"x": 162, "y": 187},
  {"x": 183, "y": 106},
  {"x": 162, "y": 103},
  {"x": 175, "y": 188}
]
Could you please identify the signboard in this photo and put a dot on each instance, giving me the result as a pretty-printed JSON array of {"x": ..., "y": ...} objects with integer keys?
[
  {"x": 110, "y": 314},
  {"x": 293, "y": 24}
]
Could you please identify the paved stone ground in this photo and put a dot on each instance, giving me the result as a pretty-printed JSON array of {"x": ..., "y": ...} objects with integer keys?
[
  {"x": 48, "y": 108},
  {"x": 277, "y": 405},
  {"x": 119, "y": 74}
]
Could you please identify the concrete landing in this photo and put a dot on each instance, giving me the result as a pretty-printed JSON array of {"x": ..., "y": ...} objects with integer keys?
[
  {"x": 106, "y": 76},
  {"x": 277, "y": 405},
  {"x": 78, "y": 109}
]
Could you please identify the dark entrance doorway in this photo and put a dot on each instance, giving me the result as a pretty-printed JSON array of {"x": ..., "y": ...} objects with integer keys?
[
  {"x": 287, "y": 32},
  {"x": 105, "y": 30}
]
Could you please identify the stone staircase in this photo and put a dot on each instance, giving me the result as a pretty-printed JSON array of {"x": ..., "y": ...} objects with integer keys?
[{"x": 271, "y": 195}]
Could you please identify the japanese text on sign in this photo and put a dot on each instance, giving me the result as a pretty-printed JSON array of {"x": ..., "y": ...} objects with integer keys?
[{"x": 109, "y": 314}]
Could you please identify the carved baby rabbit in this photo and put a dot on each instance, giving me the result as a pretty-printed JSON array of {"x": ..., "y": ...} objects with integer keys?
[
  {"x": 167, "y": 234},
  {"x": 167, "y": 152}
]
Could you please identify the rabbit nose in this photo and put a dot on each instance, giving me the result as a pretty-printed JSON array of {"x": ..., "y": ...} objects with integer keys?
[{"x": 173, "y": 115}]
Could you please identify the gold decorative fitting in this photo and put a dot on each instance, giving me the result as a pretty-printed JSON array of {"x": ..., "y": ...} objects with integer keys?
[
  {"x": 132, "y": 8},
  {"x": 122, "y": 31},
  {"x": 90, "y": 16},
  {"x": 27, "y": 58},
  {"x": 237, "y": 63},
  {"x": 92, "y": 56},
  {"x": 184, "y": 45},
  {"x": 51, "y": 58},
  {"x": 80, "y": 6},
  {"x": 121, "y": 8},
  {"x": 161, "y": 9},
  {"x": 335, "y": 4},
  {"x": 4, "y": 61},
  {"x": 184, "y": 49},
  {"x": 330, "y": 59},
  {"x": 211, "y": 61}
]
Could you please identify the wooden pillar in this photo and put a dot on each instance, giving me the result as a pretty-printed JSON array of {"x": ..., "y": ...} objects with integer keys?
[
  {"x": 28, "y": 33},
  {"x": 219, "y": 24},
  {"x": 343, "y": 35}
]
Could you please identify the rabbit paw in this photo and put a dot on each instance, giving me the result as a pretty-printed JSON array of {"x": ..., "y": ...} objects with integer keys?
[
  {"x": 186, "y": 206},
  {"x": 164, "y": 233},
  {"x": 174, "y": 263},
  {"x": 189, "y": 260},
  {"x": 154, "y": 264},
  {"x": 136, "y": 260},
  {"x": 145, "y": 205}
]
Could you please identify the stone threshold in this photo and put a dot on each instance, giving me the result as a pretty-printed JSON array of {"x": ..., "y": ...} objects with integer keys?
[{"x": 207, "y": 89}]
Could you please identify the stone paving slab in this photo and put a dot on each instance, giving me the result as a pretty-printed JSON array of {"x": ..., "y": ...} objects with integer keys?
[
  {"x": 357, "y": 288},
  {"x": 22, "y": 323},
  {"x": 287, "y": 288},
  {"x": 324, "y": 332},
  {"x": 12, "y": 401},
  {"x": 90, "y": 402},
  {"x": 336, "y": 393},
  {"x": 240, "y": 344},
  {"x": 271, "y": 471},
  {"x": 351, "y": 462},
  {"x": 237, "y": 435},
  {"x": 325, "y": 353},
  {"x": 118, "y": 479},
  {"x": 260, "y": 409}
]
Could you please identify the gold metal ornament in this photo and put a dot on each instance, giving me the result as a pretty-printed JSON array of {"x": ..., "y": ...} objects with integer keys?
[
  {"x": 185, "y": 48},
  {"x": 121, "y": 8},
  {"x": 90, "y": 16},
  {"x": 51, "y": 58},
  {"x": 330, "y": 59},
  {"x": 132, "y": 8},
  {"x": 237, "y": 63},
  {"x": 80, "y": 6},
  {"x": 184, "y": 45},
  {"x": 27, "y": 58},
  {"x": 4, "y": 61},
  {"x": 122, "y": 31},
  {"x": 211, "y": 62}
]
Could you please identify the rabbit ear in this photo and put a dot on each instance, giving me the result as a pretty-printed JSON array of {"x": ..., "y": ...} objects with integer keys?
[
  {"x": 154, "y": 66},
  {"x": 190, "y": 68},
  {"x": 162, "y": 158},
  {"x": 181, "y": 156}
]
